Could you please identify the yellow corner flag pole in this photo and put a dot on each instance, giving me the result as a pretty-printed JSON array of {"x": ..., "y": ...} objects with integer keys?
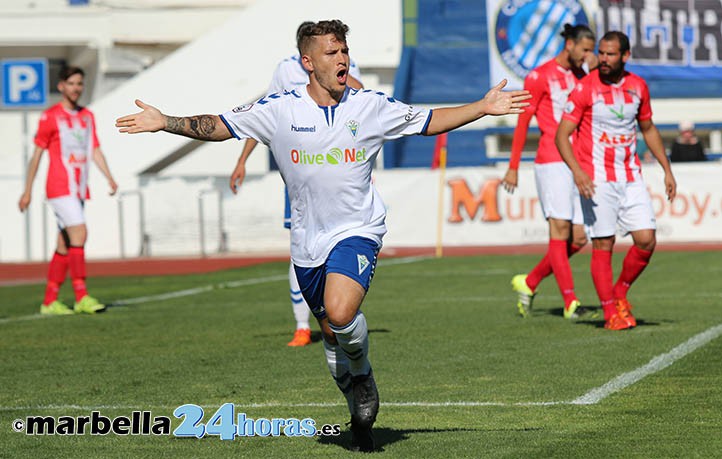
[{"x": 440, "y": 211}]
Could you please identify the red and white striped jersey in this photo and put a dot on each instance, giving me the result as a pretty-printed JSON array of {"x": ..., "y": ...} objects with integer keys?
[
  {"x": 70, "y": 139},
  {"x": 606, "y": 116},
  {"x": 549, "y": 85}
]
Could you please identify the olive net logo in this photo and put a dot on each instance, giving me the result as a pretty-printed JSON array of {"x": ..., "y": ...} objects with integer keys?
[
  {"x": 334, "y": 156},
  {"x": 527, "y": 32}
]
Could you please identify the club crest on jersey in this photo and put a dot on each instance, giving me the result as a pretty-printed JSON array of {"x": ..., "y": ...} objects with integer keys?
[
  {"x": 363, "y": 263},
  {"x": 242, "y": 108},
  {"x": 79, "y": 136},
  {"x": 619, "y": 114},
  {"x": 352, "y": 126}
]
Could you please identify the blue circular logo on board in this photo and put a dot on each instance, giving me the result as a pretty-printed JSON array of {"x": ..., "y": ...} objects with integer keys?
[{"x": 528, "y": 32}]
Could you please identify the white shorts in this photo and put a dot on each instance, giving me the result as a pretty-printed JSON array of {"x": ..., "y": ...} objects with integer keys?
[
  {"x": 625, "y": 203},
  {"x": 558, "y": 194},
  {"x": 68, "y": 211}
]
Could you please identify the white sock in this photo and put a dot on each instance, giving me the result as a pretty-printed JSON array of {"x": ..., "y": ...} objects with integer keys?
[
  {"x": 300, "y": 309},
  {"x": 338, "y": 365},
  {"x": 354, "y": 340}
]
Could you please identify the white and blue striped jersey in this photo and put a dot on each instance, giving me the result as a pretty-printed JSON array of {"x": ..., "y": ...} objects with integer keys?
[
  {"x": 290, "y": 73},
  {"x": 325, "y": 156}
]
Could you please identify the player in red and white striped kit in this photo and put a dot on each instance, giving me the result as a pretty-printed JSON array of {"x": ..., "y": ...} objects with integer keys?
[
  {"x": 67, "y": 131},
  {"x": 549, "y": 85},
  {"x": 605, "y": 108}
]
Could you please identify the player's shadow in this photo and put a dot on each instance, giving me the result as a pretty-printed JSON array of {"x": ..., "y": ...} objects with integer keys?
[
  {"x": 600, "y": 323},
  {"x": 385, "y": 436},
  {"x": 584, "y": 312},
  {"x": 594, "y": 316},
  {"x": 316, "y": 335}
]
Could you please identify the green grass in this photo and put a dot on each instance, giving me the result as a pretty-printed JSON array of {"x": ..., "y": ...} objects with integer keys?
[{"x": 441, "y": 331}]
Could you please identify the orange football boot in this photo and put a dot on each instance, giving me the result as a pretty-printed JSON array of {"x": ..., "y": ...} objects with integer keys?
[
  {"x": 624, "y": 309},
  {"x": 302, "y": 337},
  {"x": 616, "y": 322}
]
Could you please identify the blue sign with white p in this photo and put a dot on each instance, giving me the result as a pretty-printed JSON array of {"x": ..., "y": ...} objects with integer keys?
[{"x": 24, "y": 82}]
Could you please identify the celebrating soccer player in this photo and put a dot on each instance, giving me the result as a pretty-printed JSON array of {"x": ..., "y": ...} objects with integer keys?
[
  {"x": 325, "y": 138},
  {"x": 289, "y": 74},
  {"x": 67, "y": 131},
  {"x": 605, "y": 108},
  {"x": 549, "y": 85}
]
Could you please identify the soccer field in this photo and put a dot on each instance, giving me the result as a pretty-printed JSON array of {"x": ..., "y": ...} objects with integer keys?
[{"x": 459, "y": 373}]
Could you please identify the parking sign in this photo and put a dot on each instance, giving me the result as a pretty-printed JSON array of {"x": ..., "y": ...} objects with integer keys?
[{"x": 24, "y": 83}]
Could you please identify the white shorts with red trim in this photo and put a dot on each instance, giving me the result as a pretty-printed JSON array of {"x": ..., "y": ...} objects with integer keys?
[
  {"x": 558, "y": 194},
  {"x": 68, "y": 211},
  {"x": 626, "y": 204}
]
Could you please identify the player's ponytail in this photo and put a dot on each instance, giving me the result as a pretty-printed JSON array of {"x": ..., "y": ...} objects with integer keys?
[{"x": 577, "y": 32}]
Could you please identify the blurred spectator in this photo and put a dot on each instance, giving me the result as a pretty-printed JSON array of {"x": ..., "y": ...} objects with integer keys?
[{"x": 687, "y": 147}]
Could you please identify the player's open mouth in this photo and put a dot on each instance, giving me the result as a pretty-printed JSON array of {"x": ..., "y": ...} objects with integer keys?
[{"x": 341, "y": 76}]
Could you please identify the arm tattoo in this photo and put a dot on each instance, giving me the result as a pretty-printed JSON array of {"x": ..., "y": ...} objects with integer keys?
[
  {"x": 201, "y": 127},
  {"x": 175, "y": 124}
]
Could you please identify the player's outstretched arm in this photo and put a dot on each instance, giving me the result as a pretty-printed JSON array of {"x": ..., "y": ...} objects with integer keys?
[
  {"x": 201, "y": 127},
  {"x": 582, "y": 180},
  {"x": 654, "y": 142},
  {"x": 495, "y": 102}
]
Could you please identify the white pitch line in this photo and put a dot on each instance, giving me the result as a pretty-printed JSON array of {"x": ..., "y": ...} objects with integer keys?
[
  {"x": 590, "y": 398},
  {"x": 401, "y": 260},
  {"x": 274, "y": 405},
  {"x": 163, "y": 296},
  {"x": 205, "y": 288},
  {"x": 658, "y": 363}
]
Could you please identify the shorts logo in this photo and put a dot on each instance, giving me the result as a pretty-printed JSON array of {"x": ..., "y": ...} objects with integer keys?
[
  {"x": 242, "y": 108},
  {"x": 527, "y": 31},
  {"x": 363, "y": 263}
]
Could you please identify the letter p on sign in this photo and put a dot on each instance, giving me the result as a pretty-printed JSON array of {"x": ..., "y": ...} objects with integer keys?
[{"x": 24, "y": 83}]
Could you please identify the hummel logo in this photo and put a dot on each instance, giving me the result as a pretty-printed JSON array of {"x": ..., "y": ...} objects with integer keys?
[
  {"x": 620, "y": 113},
  {"x": 303, "y": 128},
  {"x": 363, "y": 263}
]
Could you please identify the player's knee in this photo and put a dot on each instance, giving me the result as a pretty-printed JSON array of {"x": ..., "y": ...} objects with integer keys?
[
  {"x": 580, "y": 240},
  {"x": 647, "y": 244},
  {"x": 77, "y": 235},
  {"x": 340, "y": 308},
  {"x": 340, "y": 313},
  {"x": 340, "y": 318}
]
